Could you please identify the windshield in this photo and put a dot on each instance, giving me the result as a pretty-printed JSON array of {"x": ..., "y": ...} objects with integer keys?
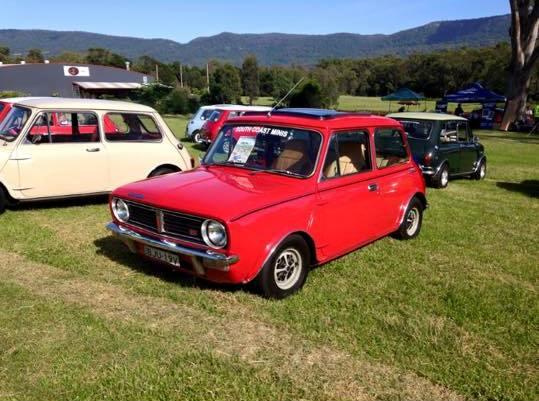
[
  {"x": 12, "y": 125},
  {"x": 282, "y": 150},
  {"x": 214, "y": 116},
  {"x": 206, "y": 114},
  {"x": 419, "y": 129}
]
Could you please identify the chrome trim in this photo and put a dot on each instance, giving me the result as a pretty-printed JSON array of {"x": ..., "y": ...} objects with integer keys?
[{"x": 209, "y": 259}]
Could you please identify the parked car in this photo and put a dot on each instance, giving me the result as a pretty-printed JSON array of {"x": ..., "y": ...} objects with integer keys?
[
  {"x": 55, "y": 148},
  {"x": 215, "y": 121},
  {"x": 192, "y": 130},
  {"x": 276, "y": 195},
  {"x": 444, "y": 146}
]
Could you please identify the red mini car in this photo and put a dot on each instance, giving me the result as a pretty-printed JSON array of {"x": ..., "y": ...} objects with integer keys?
[
  {"x": 275, "y": 195},
  {"x": 217, "y": 118}
]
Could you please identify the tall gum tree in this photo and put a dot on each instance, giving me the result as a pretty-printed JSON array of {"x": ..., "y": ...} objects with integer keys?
[{"x": 524, "y": 54}]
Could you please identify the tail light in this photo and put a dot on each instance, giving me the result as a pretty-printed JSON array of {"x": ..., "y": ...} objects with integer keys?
[{"x": 427, "y": 159}]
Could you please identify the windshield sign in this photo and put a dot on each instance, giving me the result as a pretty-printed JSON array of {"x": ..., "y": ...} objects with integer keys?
[
  {"x": 419, "y": 129},
  {"x": 288, "y": 151},
  {"x": 13, "y": 123}
]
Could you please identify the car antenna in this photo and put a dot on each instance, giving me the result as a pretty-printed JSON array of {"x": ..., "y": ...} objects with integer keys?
[{"x": 285, "y": 96}]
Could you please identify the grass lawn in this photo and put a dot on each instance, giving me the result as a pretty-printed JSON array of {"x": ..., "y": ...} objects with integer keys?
[{"x": 452, "y": 314}]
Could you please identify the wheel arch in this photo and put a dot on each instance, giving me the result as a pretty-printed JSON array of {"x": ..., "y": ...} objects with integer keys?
[
  {"x": 10, "y": 200},
  {"x": 275, "y": 245},
  {"x": 165, "y": 165}
]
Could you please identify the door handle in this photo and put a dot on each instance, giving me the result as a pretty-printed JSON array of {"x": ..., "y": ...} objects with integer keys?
[
  {"x": 373, "y": 187},
  {"x": 93, "y": 149}
]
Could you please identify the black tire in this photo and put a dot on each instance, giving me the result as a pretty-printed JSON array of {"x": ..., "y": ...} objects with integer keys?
[
  {"x": 3, "y": 200},
  {"x": 196, "y": 137},
  {"x": 441, "y": 179},
  {"x": 481, "y": 171},
  {"x": 411, "y": 223},
  {"x": 293, "y": 250},
  {"x": 162, "y": 171}
]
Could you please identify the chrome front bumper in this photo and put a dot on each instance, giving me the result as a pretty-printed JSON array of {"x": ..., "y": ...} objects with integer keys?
[{"x": 201, "y": 259}]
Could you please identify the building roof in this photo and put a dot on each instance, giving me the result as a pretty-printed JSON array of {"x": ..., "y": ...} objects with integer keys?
[
  {"x": 58, "y": 103},
  {"x": 426, "y": 116},
  {"x": 108, "y": 85}
]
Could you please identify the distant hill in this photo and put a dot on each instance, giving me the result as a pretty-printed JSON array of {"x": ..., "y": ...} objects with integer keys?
[{"x": 271, "y": 48}]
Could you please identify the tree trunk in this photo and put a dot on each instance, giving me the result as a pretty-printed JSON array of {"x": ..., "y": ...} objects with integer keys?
[{"x": 517, "y": 97}]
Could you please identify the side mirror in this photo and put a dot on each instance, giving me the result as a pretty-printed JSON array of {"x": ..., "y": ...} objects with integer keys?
[{"x": 180, "y": 145}]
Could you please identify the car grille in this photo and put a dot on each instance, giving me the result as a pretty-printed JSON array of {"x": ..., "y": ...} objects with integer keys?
[{"x": 172, "y": 224}]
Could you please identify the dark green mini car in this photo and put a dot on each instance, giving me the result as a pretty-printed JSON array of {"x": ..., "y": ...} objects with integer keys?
[{"x": 443, "y": 146}]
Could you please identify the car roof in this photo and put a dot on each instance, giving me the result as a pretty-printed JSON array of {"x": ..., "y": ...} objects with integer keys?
[
  {"x": 14, "y": 99},
  {"x": 81, "y": 104},
  {"x": 239, "y": 107},
  {"x": 426, "y": 116},
  {"x": 316, "y": 119}
]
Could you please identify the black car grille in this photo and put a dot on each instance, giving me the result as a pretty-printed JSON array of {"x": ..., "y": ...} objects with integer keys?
[{"x": 160, "y": 221}]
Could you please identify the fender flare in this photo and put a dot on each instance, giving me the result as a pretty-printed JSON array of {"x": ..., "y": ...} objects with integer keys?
[
  {"x": 478, "y": 162},
  {"x": 275, "y": 244},
  {"x": 165, "y": 165},
  {"x": 422, "y": 198}
]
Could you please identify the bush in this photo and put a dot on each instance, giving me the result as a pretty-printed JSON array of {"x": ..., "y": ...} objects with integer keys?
[{"x": 310, "y": 95}]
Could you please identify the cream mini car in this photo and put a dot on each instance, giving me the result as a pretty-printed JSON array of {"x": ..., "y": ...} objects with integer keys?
[{"x": 56, "y": 148}]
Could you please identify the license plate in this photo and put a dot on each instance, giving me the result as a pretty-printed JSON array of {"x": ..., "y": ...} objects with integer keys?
[{"x": 162, "y": 256}]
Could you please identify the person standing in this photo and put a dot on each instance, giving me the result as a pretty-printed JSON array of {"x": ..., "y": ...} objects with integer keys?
[{"x": 459, "y": 111}]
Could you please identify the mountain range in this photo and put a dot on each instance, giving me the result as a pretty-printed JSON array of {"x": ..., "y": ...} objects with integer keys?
[{"x": 270, "y": 48}]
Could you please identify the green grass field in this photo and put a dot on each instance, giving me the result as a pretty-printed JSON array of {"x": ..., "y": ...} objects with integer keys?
[
  {"x": 450, "y": 315},
  {"x": 373, "y": 104}
]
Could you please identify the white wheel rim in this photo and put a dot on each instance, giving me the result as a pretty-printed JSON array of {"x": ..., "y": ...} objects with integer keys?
[
  {"x": 226, "y": 147},
  {"x": 482, "y": 170},
  {"x": 445, "y": 177},
  {"x": 197, "y": 138},
  {"x": 412, "y": 221},
  {"x": 287, "y": 268}
]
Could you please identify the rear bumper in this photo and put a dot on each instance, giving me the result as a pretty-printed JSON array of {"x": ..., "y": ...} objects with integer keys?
[{"x": 201, "y": 259}]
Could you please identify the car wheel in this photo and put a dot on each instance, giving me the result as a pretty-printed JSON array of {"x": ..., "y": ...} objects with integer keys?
[
  {"x": 481, "y": 171},
  {"x": 441, "y": 179},
  {"x": 413, "y": 218},
  {"x": 196, "y": 137},
  {"x": 162, "y": 171},
  {"x": 286, "y": 270}
]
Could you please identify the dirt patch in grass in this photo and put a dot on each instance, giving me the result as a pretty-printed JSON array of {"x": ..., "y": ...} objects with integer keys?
[{"x": 236, "y": 333}]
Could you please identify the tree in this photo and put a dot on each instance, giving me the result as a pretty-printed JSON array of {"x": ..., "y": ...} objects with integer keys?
[
  {"x": 250, "y": 79},
  {"x": 524, "y": 54},
  {"x": 99, "y": 56},
  {"x": 310, "y": 95},
  {"x": 35, "y": 56},
  {"x": 225, "y": 87},
  {"x": 4, "y": 54}
]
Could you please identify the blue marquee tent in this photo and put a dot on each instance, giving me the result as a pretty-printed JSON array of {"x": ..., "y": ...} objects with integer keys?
[{"x": 475, "y": 93}]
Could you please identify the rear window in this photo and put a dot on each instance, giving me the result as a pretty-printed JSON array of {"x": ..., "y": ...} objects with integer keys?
[
  {"x": 418, "y": 129},
  {"x": 131, "y": 127}
]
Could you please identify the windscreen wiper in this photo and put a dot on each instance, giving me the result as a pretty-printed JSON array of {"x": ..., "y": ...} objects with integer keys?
[{"x": 280, "y": 171}]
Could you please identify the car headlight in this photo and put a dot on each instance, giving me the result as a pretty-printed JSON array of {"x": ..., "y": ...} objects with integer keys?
[
  {"x": 214, "y": 234},
  {"x": 120, "y": 209}
]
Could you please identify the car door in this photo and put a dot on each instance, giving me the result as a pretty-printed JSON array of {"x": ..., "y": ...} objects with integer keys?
[
  {"x": 449, "y": 147},
  {"x": 54, "y": 162},
  {"x": 346, "y": 214},
  {"x": 394, "y": 175},
  {"x": 468, "y": 151}
]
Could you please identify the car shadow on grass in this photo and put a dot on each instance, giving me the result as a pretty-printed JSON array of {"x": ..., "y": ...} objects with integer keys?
[
  {"x": 526, "y": 187},
  {"x": 115, "y": 250}
]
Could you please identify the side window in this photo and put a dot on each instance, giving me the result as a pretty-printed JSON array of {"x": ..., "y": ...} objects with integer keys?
[
  {"x": 448, "y": 134},
  {"x": 348, "y": 153},
  {"x": 129, "y": 127},
  {"x": 390, "y": 149},
  {"x": 462, "y": 131},
  {"x": 69, "y": 128}
]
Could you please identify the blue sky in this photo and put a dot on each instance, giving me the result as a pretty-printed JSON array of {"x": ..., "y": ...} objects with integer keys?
[{"x": 186, "y": 20}]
